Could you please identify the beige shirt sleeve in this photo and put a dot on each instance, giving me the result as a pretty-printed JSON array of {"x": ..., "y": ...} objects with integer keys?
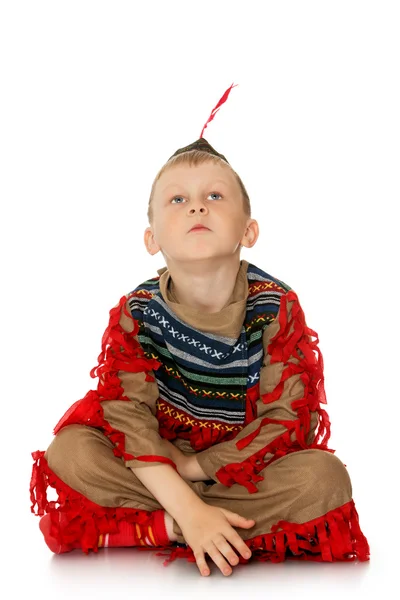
[
  {"x": 280, "y": 425},
  {"x": 135, "y": 417}
]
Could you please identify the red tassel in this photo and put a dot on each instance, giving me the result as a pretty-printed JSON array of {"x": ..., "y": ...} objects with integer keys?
[
  {"x": 120, "y": 351},
  {"x": 214, "y": 111},
  {"x": 115, "y": 342},
  {"x": 333, "y": 537},
  {"x": 281, "y": 348},
  {"x": 242, "y": 443},
  {"x": 242, "y": 473},
  {"x": 85, "y": 520},
  {"x": 38, "y": 484}
]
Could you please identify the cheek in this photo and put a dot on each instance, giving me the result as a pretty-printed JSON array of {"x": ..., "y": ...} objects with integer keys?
[{"x": 164, "y": 225}]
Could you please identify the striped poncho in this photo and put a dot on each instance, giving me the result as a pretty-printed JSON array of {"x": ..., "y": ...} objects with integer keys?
[{"x": 240, "y": 388}]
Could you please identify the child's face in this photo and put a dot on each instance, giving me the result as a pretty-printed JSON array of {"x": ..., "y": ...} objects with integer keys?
[{"x": 184, "y": 196}]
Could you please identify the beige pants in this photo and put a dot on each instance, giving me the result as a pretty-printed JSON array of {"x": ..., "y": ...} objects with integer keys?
[{"x": 297, "y": 487}]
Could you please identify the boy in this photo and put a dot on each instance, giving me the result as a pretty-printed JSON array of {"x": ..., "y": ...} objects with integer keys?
[{"x": 206, "y": 432}]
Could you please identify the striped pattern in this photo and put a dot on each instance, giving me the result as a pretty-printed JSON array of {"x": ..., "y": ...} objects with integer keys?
[{"x": 204, "y": 379}]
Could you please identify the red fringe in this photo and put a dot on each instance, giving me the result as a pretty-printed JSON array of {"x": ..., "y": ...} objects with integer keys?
[
  {"x": 202, "y": 437},
  {"x": 119, "y": 351},
  {"x": 335, "y": 536},
  {"x": 282, "y": 347},
  {"x": 86, "y": 520}
]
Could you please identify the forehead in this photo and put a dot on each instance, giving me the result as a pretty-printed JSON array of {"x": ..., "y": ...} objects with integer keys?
[{"x": 186, "y": 175}]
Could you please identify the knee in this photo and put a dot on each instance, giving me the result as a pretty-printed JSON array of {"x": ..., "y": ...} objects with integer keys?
[
  {"x": 314, "y": 473},
  {"x": 68, "y": 446},
  {"x": 324, "y": 473}
]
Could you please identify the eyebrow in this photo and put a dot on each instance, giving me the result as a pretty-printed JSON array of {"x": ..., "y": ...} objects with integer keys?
[{"x": 213, "y": 182}]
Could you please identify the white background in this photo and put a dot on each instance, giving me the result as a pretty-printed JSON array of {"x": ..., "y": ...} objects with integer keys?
[{"x": 95, "y": 97}]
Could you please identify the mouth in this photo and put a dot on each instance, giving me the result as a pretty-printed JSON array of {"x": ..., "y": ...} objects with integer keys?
[{"x": 197, "y": 228}]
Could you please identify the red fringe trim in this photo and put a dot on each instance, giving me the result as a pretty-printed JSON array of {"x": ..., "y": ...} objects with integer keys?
[
  {"x": 200, "y": 437},
  {"x": 86, "y": 519},
  {"x": 336, "y": 536},
  {"x": 282, "y": 347},
  {"x": 333, "y": 537},
  {"x": 119, "y": 351}
]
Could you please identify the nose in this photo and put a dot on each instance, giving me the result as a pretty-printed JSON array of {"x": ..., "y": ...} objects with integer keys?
[{"x": 198, "y": 206}]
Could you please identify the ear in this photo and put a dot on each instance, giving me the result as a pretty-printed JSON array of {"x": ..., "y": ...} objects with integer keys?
[
  {"x": 150, "y": 241},
  {"x": 251, "y": 234}
]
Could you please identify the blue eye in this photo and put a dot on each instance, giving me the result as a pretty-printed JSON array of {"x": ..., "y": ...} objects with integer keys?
[{"x": 214, "y": 193}]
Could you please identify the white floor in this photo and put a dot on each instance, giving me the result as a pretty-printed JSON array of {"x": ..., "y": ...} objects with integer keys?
[{"x": 122, "y": 571}]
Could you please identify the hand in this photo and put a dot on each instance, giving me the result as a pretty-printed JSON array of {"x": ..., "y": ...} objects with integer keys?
[{"x": 209, "y": 530}]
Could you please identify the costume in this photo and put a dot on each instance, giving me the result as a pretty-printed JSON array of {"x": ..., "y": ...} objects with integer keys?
[{"x": 242, "y": 388}]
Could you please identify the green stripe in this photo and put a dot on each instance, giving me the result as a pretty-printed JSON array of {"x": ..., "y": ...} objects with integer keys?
[
  {"x": 255, "y": 335},
  {"x": 193, "y": 376}
]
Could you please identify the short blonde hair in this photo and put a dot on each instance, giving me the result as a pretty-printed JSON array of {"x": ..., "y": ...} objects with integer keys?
[{"x": 194, "y": 158}]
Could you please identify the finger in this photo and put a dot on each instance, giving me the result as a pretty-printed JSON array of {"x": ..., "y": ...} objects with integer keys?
[
  {"x": 240, "y": 521},
  {"x": 202, "y": 565},
  {"x": 227, "y": 551},
  {"x": 246, "y": 521},
  {"x": 234, "y": 538},
  {"x": 219, "y": 560}
]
